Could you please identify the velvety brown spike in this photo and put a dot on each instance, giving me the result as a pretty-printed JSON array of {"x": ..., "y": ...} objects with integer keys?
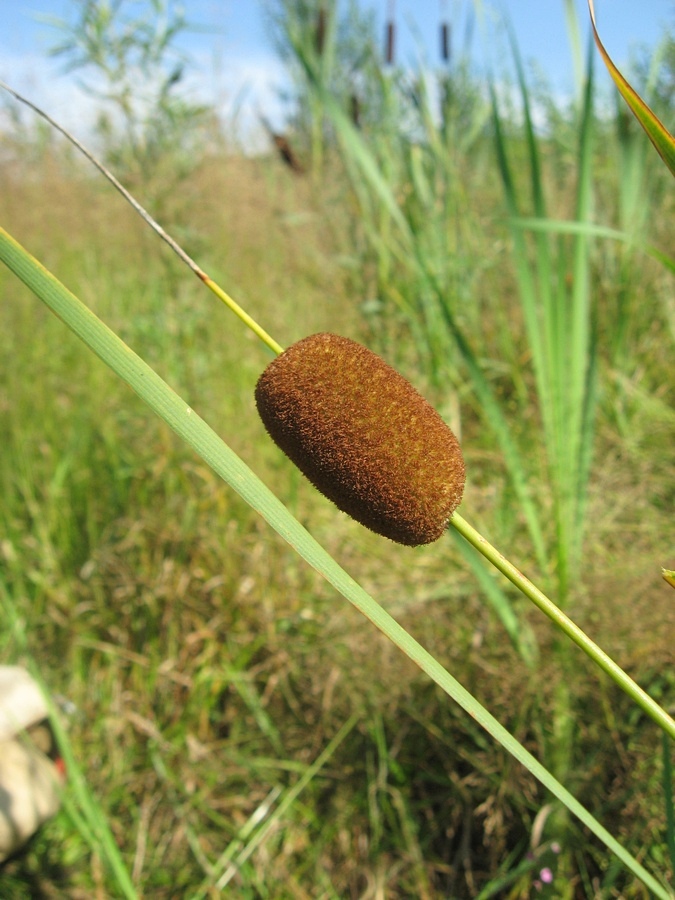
[{"x": 363, "y": 436}]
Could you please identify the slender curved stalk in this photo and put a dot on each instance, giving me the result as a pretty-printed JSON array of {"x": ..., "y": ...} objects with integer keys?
[
  {"x": 565, "y": 624},
  {"x": 242, "y": 314},
  {"x": 156, "y": 227}
]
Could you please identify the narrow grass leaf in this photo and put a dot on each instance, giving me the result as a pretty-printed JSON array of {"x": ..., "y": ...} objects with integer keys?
[
  {"x": 656, "y": 131},
  {"x": 496, "y": 419},
  {"x": 666, "y": 746},
  {"x": 583, "y": 395},
  {"x": 591, "y": 230},
  {"x": 574, "y": 33}
]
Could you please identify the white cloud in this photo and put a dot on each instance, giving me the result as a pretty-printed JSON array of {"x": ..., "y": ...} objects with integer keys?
[
  {"x": 40, "y": 81},
  {"x": 239, "y": 89}
]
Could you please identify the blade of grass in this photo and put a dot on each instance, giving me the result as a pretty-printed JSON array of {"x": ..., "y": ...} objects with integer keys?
[
  {"x": 561, "y": 226},
  {"x": 237, "y": 844},
  {"x": 656, "y": 131},
  {"x": 558, "y": 326},
  {"x": 212, "y": 449},
  {"x": 578, "y": 448},
  {"x": 668, "y": 799}
]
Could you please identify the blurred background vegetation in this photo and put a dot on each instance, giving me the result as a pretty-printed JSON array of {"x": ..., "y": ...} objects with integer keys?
[{"x": 517, "y": 268}]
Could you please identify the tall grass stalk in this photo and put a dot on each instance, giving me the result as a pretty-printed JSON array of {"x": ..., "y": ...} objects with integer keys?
[
  {"x": 558, "y": 324},
  {"x": 189, "y": 426}
]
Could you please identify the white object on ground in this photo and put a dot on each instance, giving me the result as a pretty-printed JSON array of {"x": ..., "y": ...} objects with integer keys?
[{"x": 30, "y": 778}]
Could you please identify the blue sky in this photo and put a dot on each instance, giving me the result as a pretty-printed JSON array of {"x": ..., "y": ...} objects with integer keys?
[{"x": 237, "y": 65}]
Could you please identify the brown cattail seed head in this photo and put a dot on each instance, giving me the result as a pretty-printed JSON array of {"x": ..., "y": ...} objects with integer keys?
[{"x": 363, "y": 436}]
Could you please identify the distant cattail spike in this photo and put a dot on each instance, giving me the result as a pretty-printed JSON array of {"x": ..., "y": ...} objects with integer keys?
[
  {"x": 355, "y": 110},
  {"x": 389, "y": 48},
  {"x": 364, "y": 437},
  {"x": 321, "y": 30},
  {"x": 283, "y": 146},
  {"x": 445, "y": 42},
  {"x": 287, "y": 154}
]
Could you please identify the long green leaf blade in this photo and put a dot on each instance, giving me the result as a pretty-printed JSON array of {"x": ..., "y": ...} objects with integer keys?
[{"x": 656, "y": 131}]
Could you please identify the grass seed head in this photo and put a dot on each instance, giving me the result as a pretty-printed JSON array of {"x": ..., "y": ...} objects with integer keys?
[{"x": 363, "y": 436}]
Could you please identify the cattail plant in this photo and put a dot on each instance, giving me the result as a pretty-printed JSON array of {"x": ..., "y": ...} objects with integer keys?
[
  {"x": 364, "y": 437},
  {"x": 345, "y": 445},
  {"x": 346, "y": 418},
  {"x": 445, "y": 34},
  {"x": 390, "y": 36},
  {"x": 321, "y": 29},
  {"x": 445, "y": 42}
]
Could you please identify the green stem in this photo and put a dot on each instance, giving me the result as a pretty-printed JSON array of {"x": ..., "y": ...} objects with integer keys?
[
  {"x": 250, "y": 322},
  {"x": 565, "y": 624}
]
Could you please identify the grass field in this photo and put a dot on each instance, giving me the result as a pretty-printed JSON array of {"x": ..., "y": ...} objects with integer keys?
[{"x": 241, "y": 730}]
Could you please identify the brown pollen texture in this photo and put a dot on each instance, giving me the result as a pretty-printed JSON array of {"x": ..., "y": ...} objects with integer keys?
[{"x": 363, "y": 436}]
